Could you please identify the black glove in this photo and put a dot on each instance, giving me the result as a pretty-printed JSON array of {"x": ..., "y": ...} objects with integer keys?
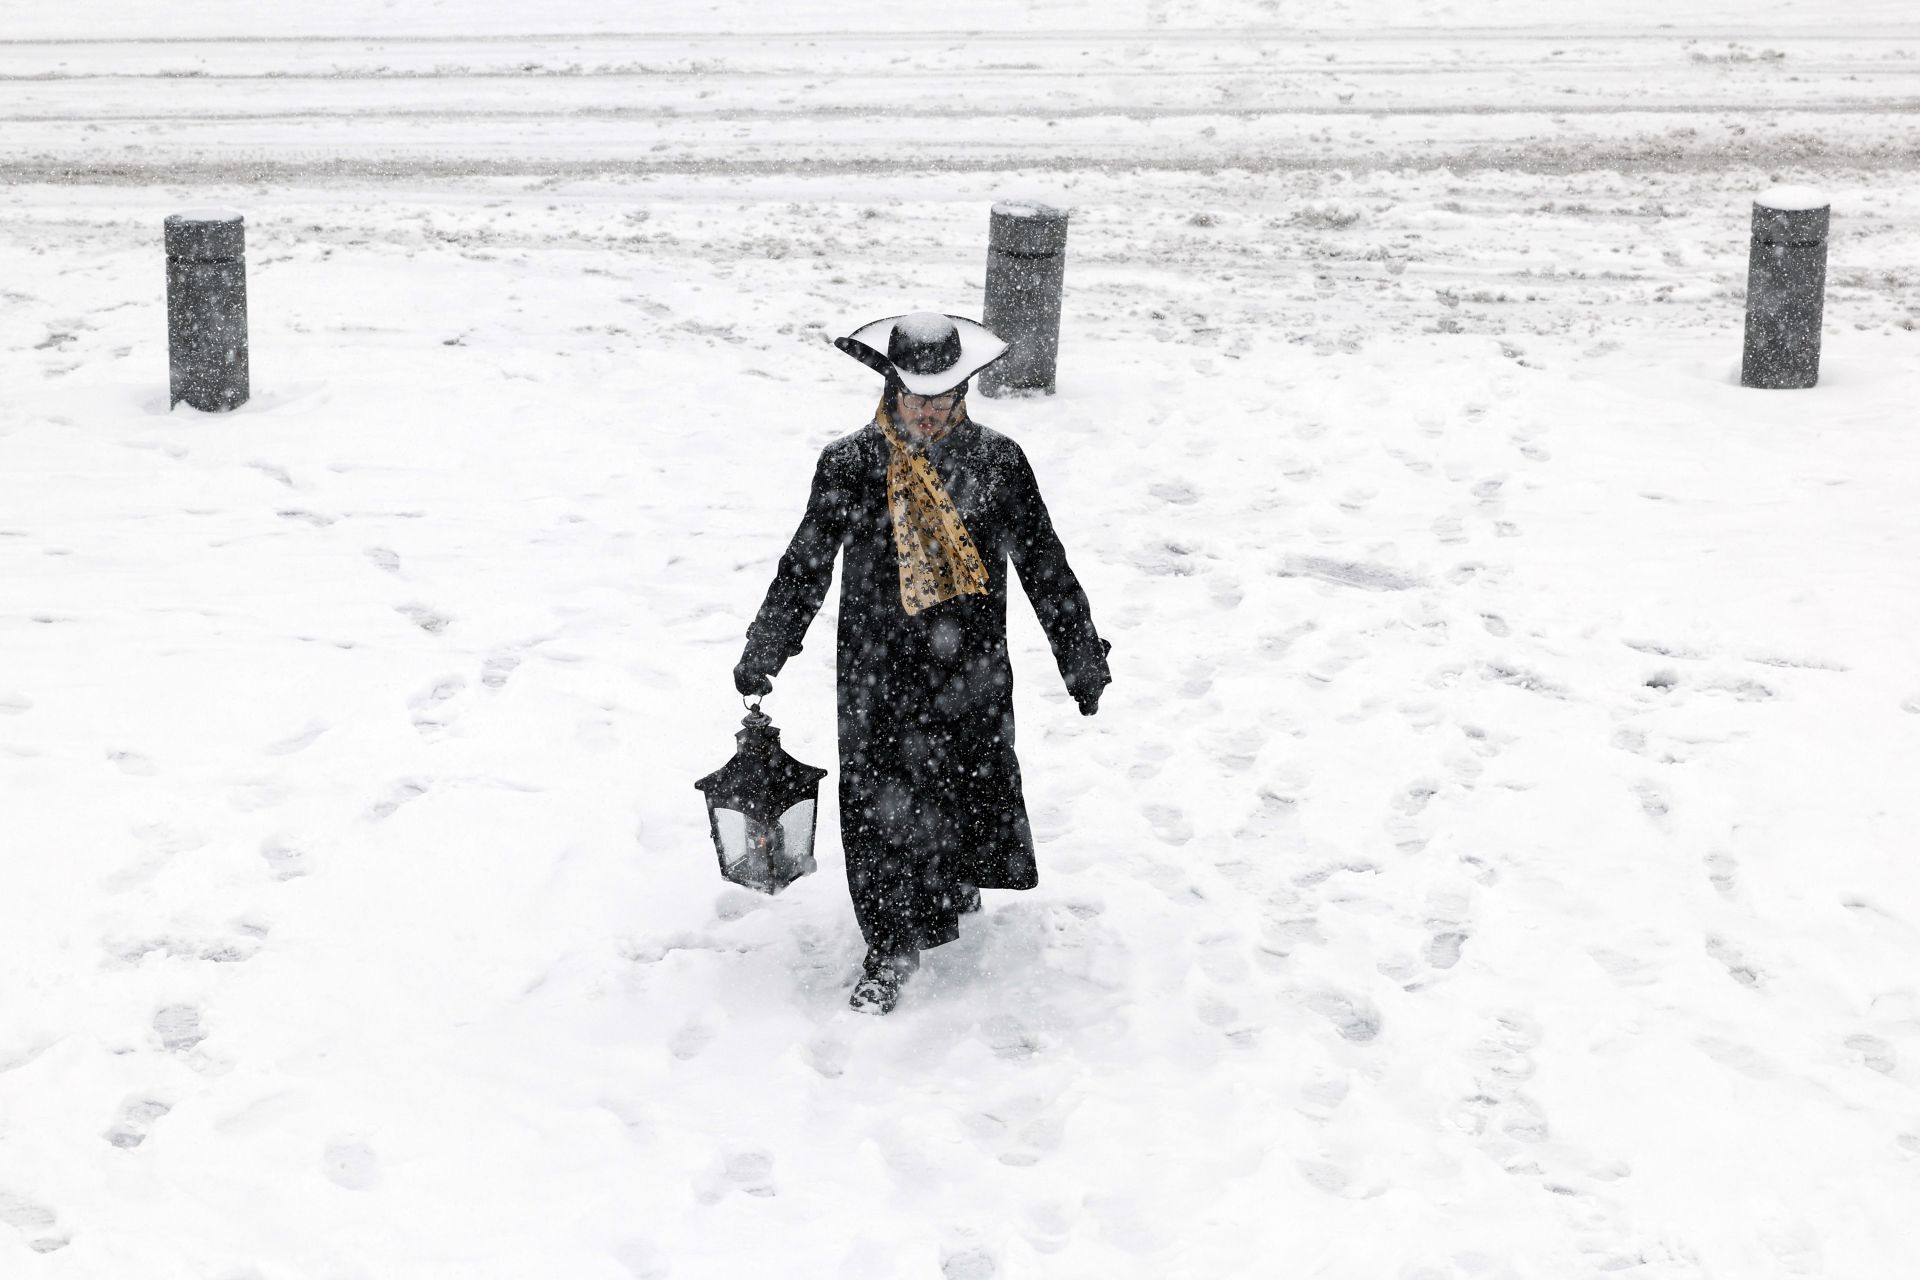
[
  {"x": 1087, "y": 692},
  {"x": 751, "y": 683}
]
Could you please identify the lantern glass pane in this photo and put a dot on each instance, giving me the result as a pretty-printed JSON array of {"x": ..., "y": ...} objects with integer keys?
[
  {"x": 754, "y": 852},
  {"x": 730, "y": 825},
  {"x": 796, "y": 826}
]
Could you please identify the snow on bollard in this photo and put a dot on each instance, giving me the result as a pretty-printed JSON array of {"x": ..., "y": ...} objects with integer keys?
[
  {"x": 1026, "y": 264},
  {"x": 1786, "y": 289},
  {"x": 207, "y": 309}
]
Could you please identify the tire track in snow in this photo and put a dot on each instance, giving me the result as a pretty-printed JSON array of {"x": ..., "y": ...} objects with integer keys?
[{"x": 1795, "y": 151}]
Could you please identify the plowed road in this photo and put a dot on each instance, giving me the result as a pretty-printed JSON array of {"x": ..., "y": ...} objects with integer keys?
[{"x": 1258, "y": 99}]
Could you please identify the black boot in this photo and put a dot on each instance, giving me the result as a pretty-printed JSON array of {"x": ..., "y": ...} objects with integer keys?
[{"x": 881, "y": 975}]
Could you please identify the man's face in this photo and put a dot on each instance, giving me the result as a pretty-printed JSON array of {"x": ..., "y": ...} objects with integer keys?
[{"x": 927, "y": 417}]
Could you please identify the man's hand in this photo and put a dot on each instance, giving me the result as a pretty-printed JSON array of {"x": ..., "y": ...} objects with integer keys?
[
  {"x": 1089, "y": 702},
  {"x": 751, "y": 683}
]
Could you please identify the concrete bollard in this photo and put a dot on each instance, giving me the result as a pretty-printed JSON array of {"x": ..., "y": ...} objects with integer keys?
[
  {"x": 207, "y": 309},
  {"x": 1786, "y": 289},
  {"x": 1026, "y": 265}
]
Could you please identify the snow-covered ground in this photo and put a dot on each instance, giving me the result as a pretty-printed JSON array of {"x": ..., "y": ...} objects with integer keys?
[{"x": 1493, "y": 859}]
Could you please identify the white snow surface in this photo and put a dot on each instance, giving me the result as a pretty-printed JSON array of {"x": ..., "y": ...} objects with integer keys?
[
  {"x": 1493, "y": 860},
  {"x": 1792, "y": 199}
]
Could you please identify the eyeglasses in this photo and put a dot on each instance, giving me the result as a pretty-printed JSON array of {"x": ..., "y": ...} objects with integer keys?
[{"x": 912, "y": 403}]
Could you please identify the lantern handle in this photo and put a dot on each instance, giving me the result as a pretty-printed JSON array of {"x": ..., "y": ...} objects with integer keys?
[{"x": 752, "y": 703}]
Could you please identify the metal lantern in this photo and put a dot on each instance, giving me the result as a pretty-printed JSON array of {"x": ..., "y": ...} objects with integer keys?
[{"x": 762, "y": 805}]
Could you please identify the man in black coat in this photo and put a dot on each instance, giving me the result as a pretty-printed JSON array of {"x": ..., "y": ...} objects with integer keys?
[{"x": 928, "y": 507}]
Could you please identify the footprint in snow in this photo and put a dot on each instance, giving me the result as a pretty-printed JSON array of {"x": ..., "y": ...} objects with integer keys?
[
  {"x": 1743, "y": 689},
  {"x": 163, "y": 841},
  {"x": 274, "y": 470},
  {"x": 1413, "y": 797},
  {"x": 498, "y": 668},
  {"x": 386, "y": 559},
  {"x": 129, "y": 1128},
  {"x": 1216, "y": 1012},
  {"x": 752, "y": 1172},
  {"x": 1348, "y": 573},
  {"x": 1010, "y": 1038},
  {"x": 1280, "y": 937},
  {"x": 1409, "y": 835},
  {"x": 314, "y": 518},
  {"x": 1198, "y": 679},
  {"x": 1169, "y": 823},
  {"x": 1523, "y": 1120},
  {"x": 299, "y": 741},
  {"x": 969, "y": 1264},
  {"x": 1341, "y": 652},
  {"x": 430, "y": 712},
  {"x": 1653, "y": 799},
  {"x": 1747, "y": 975},
  {"x": 1326, "y": 871},
  {"x": 1744, "y": 1058},
  {"x": 1721, "y": 869},
  {"x": 178, "y": 1026},
  {"x": 1179, "y": 493},
  {"x": 1401, "y": 968},
  {"x": 1336, "y": 1179},
  {"x": 350, "y": 1164},
  {"x": 284, "y": 858},
  {"x": 828, "y": 1056},
  {"x": 1019, "y": 1131},
  {"x": 1418, "y": 465},
  {"x": 1152, "y": 756},
  {"x": 1236, "y": 750},
  {"x": 1502, "y": 1063},
  {"x": 1322, "y": 1095},
  {"x": 33, "y": 1220},
  {"x": 736, "y": 904},
  {"x": 1050, "y": 822},
  {"x": 229, "y": 952},
  {"x": 1874, "y": 1052},
  {"x": 1792, "y": 1240},
  {"x": 133, "y": 764},
  {"x": 1443, "y": 951},
  {"x": 1355, "y": 1017},
  {"x": 428, "y": 619},
  {"x": 690, "y": 1040},
  {"x": 398, "y": 793},
  {"x": 1625, "y": 969}
]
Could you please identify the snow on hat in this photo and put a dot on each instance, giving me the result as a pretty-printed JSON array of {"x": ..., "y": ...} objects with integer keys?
[{"x": 928, "y": 352}]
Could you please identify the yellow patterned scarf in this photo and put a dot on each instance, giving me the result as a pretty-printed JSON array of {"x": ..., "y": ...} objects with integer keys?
[{"x": 938, "y": 560}]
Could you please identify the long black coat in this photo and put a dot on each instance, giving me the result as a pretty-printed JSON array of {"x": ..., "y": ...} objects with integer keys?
[{"x": 930, "y": 790}]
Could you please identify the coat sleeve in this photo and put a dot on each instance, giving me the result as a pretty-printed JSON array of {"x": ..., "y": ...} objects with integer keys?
[
  {"x": 1057, "y": 597},
  {"x": 805, "y": 572}
]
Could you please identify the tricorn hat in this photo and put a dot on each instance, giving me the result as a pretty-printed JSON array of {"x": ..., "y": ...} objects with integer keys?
[{"x": 928, "y": 352}]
